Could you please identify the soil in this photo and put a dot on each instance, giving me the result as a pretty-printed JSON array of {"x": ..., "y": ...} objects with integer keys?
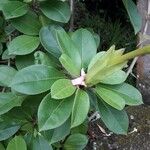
[{"x": 134, "y": 140}]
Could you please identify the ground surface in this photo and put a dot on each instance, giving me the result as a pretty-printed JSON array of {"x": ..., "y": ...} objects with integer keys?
[{"x": 140, "y": 140}]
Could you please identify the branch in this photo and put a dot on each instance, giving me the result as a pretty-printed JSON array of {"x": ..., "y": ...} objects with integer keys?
[{"x": 72, "y": 15}]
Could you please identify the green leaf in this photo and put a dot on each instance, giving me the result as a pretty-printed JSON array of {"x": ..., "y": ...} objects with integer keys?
[
  {"x": 97, "y": 64},
  {"x": 17, "y": 143},
  {"x": 48, "y": 40},
  {"x": 107, "y": 72},
  {"x": 117, "y": 77},
  {"x": 115, "y": 120},
  {"x": 24, "y": 61},
  {"x": 31, "y": 103},
  {"x": 8, "y": 101},
  {"x": 82, "y": 128},
  {"x": 35, "y": 79},
  {"x": 97, "y": 58},
  {"x": 97, "y": 39},
  {"x": 103, "y": 73},
  {"x": 7, "y": 130},
  {"x": 9, "y": 29},
  {"x": 52, "y": 113},
  {"x": 68, "y": 47},
  {"x": 29, "y": 138},
  {"x": 110, "y": 97},
  {"x": 80, "y": 108},
  {"x": 76, "y": 142},
  {"x": 129, "y": 93},
  {"x": 16, "y": 115},
  {"x": 6, "y": 75},
  {"x": 6, "y": 55},
  {"x": 100, "y": 67},
  {"x": 1, "y": 147},
  {"x": 56, "y": 10},
  {"x": 44, "y": 59},
  {"x": 93, "y": 100},
  {"x": 68, "y": 64},
  {"x": 2, "y": 2},
  {"x": 61, "y": 132},
  {"x": 14, "y": 9},
  {"x": 62, "y": 88},
  {"x": 86, "y": 45},
  {"x": 39, "y": 143},
  {"x": 28, "y": 24},
  {"x": 1, "y": 48},
  {"x": 134, "y": 15},
  {"x": 23, "y": 45},
  {"x": 57, "y": 134}
]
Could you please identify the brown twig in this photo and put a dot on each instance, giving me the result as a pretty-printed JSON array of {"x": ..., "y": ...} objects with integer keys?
[{"x": 72, "y": 15}]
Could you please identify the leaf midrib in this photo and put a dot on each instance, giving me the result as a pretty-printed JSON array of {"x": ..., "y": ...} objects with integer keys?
[{"x": 51, "y": 114}]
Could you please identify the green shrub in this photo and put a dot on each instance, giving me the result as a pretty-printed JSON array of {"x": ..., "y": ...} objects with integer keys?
[{"x": 51, "y": 79}]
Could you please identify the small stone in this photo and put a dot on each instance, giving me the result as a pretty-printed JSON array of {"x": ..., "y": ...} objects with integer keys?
[
  {"x": 132, "y": 117},
  {"x": 140, "y": 84}
]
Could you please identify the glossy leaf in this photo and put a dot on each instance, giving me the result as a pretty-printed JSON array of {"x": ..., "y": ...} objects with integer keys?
[
  {"x": 86, "y": 44},
  {"x": 117, "y": 77},
  {"x": 82, "y": 128},
  {"x": 95, "y": 59},
  {"x": 97, "y": 64},
  {"x": 57, "y": 134},
  {"x": 97, "y": 39},
  {"x": 14, "y": 9},
  {"x": 15, "y": 115},
  {"x": 110, "y": 97},
  {"x": 24, "y": 61},
  {"x": 107, "y": 72},
  {"x": 1, "y": 48},
  {"x": 53, "y": 113},
  {"x": 17, "y": 143},
  {"x": 9, "y": 29},
  {"x": 23, "y": 45},
  {"x": 28, "y": 24},
  {"x": 61, "y": 132},
  {"x": 68, "y": 47},
  {"x": 115, "y": 120},
  {"x": 6, "y": 75},
  {"x": 29, "y": 140},
  {"x": 56, "y": 10},
  {"x": 35, "y": 79},
  {"x": 39, "y": 143},
  {"x": 93, "y": 100},
  {"x": 1, "y": 147},
  {"x": 31, "y": 103},
  {"x": 44, "y": 59},
  {"x": 6, "y": 55},
  {"x": 62, "y": 88},
  {"x": 68, "y": 64},
  {"x": 134, "y": 15},
  {"x": 7, "y": 130},
  {"x": 48, "y": 40},
  {"x": 2, "y": 2},
  {"x": 8, "y": 101},
  {"x": 80, "y": 108},
  {"x": 76, "y": 142},
  {"x": 129, "y": 93}
]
